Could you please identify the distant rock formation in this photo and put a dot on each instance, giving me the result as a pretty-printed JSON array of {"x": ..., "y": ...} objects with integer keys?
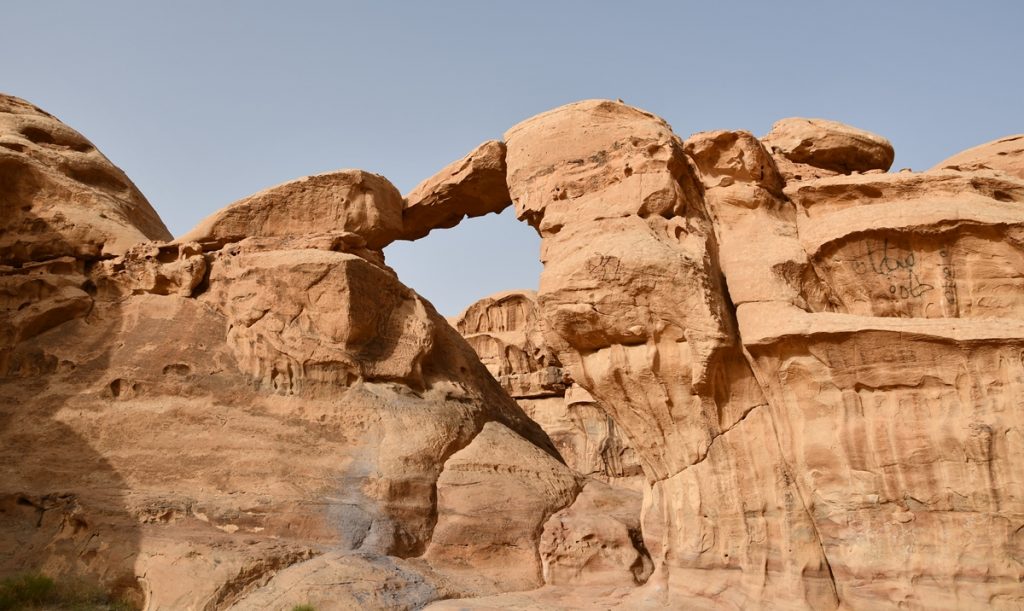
[
  {"x": 815, "y": 364},
  {"x": 506, "y": 333}
]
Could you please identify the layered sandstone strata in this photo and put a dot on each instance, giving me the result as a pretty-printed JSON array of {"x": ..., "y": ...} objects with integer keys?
[
  {"x": 816, "y": 427},
  {"x": 816, "y": 365}
]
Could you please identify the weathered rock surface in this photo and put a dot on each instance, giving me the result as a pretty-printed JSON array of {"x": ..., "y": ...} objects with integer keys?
[
  {"x": 632, "y": 303},
  {"x": 59, "y": 196},
  {"x": 872, "y": 345},
  {"x": 587, "y": 437},
  {"x": 506, "y": 333},
  {"x": 596, "y": 541},
  {"x": 815, "y": 364},
  {"x": 1002, "y": 155},
  {"x": 472, "y": 186},
  {"x": 334, "y": 203},
  {"x": 829, "y": 145},
  {"x": 186, "y": 420},
  {"x": 555, "y": 163},
  {"x": 493, "y": 499}
]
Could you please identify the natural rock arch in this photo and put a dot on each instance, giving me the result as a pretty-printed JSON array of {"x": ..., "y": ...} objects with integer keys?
[
  {"x": 818, "y": 371},
  {"x": 700, "y": 290}
]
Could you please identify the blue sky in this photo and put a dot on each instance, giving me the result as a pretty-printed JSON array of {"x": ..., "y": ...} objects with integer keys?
[{"x": 202, "y": 103}]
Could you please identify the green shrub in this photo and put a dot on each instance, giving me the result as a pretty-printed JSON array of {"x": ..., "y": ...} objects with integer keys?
[
  {"x": 303, "y": 608},
  {"x": 35, "y": 590},
  {"x": 26, "y": 590}
]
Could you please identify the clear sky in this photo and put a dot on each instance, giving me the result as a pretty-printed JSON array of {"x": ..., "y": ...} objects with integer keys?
[{"x": 204, "y": 102}]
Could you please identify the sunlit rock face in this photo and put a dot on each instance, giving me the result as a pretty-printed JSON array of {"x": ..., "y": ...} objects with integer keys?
[
  {"x": 829, "y": 145},
  {"x": 781, "y": 352},
  {"x": 1001, "y": 155},
  {"x": 59, "y": 196},
  {"x": 757, "y": 373},
  {"x": 633, "y": 304},
  {"x": 882, "y": 332}
]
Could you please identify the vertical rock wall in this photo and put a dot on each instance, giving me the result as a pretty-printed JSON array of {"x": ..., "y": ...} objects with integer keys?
[{"x": 634, "y": 305}]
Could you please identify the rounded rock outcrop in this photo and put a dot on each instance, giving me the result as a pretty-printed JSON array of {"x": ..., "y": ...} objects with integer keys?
[
  {"x": 829, "y": 145},
  {"x": 343, "y": 201},
  {"x": 1003, "y": 155},
  {"x": 60, "y": 196}
]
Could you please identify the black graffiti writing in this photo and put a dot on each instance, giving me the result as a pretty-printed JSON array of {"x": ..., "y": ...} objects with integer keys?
[
  {"x": 948, "y": 278},
  {"x": 899, "y": 270},
  {"x": 604, "y": 267}
]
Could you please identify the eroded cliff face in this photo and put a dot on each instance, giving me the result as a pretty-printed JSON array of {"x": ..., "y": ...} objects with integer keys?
[
  {"x": 784, "y": 331},
  {"x": 816, "y": 427},
  {"x": 182, "y": 421},
  {"x": 633, "y": 304},
  {"x": 887, "y": 365},
  {"x": 814, "y": 363},
  {"x": 507, "y": 334}
]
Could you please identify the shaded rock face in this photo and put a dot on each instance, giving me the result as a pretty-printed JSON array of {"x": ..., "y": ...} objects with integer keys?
[
  {"x": 816, "y": 366},
  {"x": 482, "y": 518},
  {"x": 507, "y": 334}
]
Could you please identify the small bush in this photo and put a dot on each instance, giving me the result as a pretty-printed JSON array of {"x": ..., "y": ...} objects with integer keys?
[
  {"x": 303, "y": 608},
  {"x": 26, "y": 590},
  {"x": 37, "y": 591}
]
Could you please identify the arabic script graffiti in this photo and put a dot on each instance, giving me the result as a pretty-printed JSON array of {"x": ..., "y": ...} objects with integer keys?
[{"x": 899, "y": 269}]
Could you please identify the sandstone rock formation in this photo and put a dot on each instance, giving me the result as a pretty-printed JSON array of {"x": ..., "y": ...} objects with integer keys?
[
  {"x": 343, "y": 203},
  {"x": 916, "y": 273},
  {"x": 633, "y": 304},
  {"x": 472, "y": 186},
  {"x": 815, "y": 364},
  {"x": 829, "y": 145},
  {"x": 1002, "y": 155},
  {"x": 184, "y": 420},
  {"x": 59, "y": 196},
  {"x": 597, "y": 541},
  {"x": 506, "y": 332},
  {"x": 746, "y": 504},
  {"x": 490, "y": 526}
]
